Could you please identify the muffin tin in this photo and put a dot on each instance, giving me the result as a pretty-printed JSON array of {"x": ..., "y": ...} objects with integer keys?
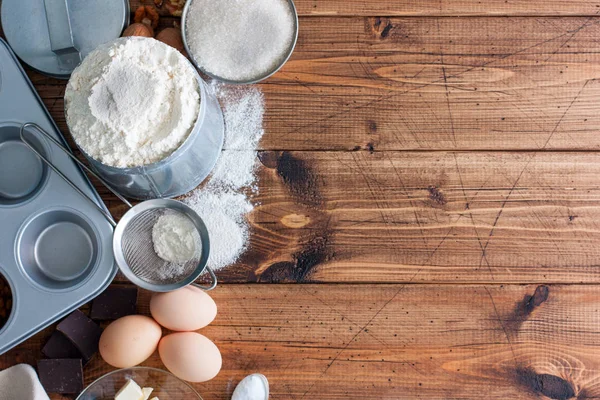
[{"x": 55, "y": 247}]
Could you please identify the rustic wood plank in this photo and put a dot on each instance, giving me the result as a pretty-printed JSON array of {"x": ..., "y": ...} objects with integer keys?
[
  {"x": 516, "y": 217},
  {"x": 431, "y": 217},
  {"x": 429, "y": 84},
  {"x": 432, "y": 7},
  {"x": 396, "y": 341}
]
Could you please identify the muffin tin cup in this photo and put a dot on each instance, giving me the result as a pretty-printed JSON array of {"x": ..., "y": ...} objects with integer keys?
[
  {"x": 23, "y": 173},
  {"x": 55, "y": 247}
]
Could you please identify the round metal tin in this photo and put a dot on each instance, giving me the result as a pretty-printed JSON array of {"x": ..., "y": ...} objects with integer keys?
[
  {"x": 255, "y": 79},
  {"x": 53, "y": 36}
]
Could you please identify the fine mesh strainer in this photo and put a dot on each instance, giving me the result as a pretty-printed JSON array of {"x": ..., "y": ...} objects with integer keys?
[{"x": 133, "y": 247}]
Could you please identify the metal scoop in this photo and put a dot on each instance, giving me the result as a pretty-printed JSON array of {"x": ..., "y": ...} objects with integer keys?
[{"x": 132, "y": 239}]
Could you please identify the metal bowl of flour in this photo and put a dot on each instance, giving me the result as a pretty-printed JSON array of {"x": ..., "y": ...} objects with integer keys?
[
  {"x": 255, "y": 79},
  {"x": 181, "y": 171}
]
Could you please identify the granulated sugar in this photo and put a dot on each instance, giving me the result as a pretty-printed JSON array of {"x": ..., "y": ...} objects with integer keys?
[
  {"x": 132, "y": 102},
  {"x": 239, "y": 40},
  {"x": 223, "y": 201}
]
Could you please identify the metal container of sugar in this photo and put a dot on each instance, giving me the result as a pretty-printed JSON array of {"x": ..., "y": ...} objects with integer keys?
[
  {"x": 177, "y": 173},
  {"x": 240, "y": 38}
]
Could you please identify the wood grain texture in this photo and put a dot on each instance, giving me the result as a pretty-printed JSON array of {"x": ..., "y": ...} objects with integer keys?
[
  {"x": 403, "y": 146},
  {"x": 398, "y": 342},
  {"x": 433, "y": 7},
  {"x": 429, "y": 84},
  {"x": 426, "y": 217}
]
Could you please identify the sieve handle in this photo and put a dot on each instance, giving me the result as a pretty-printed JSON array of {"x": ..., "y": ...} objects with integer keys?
[
  {"x": 63, "y": 176},
  {"x": 213, "y": 277}
]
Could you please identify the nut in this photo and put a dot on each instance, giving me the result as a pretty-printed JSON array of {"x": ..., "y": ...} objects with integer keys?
[
  {"x": 175, "y": 7},
  {"x": 172, "y": 37},
  {"x": 146, "y": 15},
  {"x": 139, "y": 29}
]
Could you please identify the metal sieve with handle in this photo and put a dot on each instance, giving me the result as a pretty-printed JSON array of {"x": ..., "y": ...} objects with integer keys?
[{"x": 133, "y": 246}]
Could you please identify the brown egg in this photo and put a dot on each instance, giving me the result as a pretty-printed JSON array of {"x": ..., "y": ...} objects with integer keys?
[
  {"x": 186, "y": 309},
  {"x": 190, "y": 356},
  {"x": 129, "y": 341}
]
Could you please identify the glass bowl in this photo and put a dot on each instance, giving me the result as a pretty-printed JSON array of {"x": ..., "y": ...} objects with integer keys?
[{"x": 166, "y": 385}]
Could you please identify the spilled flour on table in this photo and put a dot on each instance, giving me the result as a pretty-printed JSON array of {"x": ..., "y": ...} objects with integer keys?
[{"x": 223, "y": 202}]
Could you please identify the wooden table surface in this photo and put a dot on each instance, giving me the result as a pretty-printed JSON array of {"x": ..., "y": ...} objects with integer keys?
[{"x": 429, "y": 209}]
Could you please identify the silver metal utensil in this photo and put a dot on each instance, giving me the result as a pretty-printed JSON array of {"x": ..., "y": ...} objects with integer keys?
[
  {"x": 132, "y": 240},
  {"x": 256, "y": 79}
]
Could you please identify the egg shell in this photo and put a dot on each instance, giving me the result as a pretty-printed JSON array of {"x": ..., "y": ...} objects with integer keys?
[
  {"x": 129, "y": 341},
  {"x": 190, "y": 356},
  {"x": 183, "y": 310}
]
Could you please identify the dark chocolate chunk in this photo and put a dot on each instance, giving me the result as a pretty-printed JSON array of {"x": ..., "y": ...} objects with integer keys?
[
  {"x": 61, "y": 375},
  {"x": 115, "y": 302},
  {"x": 58, "y": 346},
  {"x": 5, "y": 301},
  {"x": 82, "y": 332}
]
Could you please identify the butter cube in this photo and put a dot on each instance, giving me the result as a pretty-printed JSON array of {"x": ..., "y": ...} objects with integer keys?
[
  {"x": 131, "y": 391},
  {"x": 147, "y": 391}
]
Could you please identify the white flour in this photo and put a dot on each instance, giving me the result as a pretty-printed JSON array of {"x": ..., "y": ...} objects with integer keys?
[
  {"x": 223, "y": 201},
  {"x": 252, "y": 387},
  {"x": 132, "y": 102},
  {"x": 224, "y": 214},
  {"x": 243, "y": 110},
  {"x": 239, "y": 39},
  {"x": 175, "y": 238}
]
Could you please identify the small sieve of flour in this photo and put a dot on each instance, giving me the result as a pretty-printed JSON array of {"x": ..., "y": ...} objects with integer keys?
[
  {"x": 175, "y": 238},
  {"x": 132, "y": 102}
]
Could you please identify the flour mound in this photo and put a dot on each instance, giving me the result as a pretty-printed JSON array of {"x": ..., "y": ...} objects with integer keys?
[
  {"x": 175, "y": 238},
  {"x": 224, "y": 214},
  {"x": 132, "y": 102},
  {"x": 223, "y": 202}
]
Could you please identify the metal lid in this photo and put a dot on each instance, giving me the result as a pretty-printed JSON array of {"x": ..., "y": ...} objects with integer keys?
[{"x": 53, "y": 36}]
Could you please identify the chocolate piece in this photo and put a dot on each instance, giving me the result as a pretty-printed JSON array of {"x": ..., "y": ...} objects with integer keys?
[
  {"x": 5, "y": 301},
  {"x": 58, "y": 346},
  {"x": 61, "y": 375},
  {"x": 115, "y": 302},
  {"x": 82, "y": 332}
]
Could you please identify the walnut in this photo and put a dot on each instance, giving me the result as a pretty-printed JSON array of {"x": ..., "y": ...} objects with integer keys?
[
  {"x": 175, "y": 7},
  {"x": 146, "y": 15}
]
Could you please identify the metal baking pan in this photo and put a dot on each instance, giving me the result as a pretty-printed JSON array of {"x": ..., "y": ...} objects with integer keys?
[{"x": 55, "y": 247}]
